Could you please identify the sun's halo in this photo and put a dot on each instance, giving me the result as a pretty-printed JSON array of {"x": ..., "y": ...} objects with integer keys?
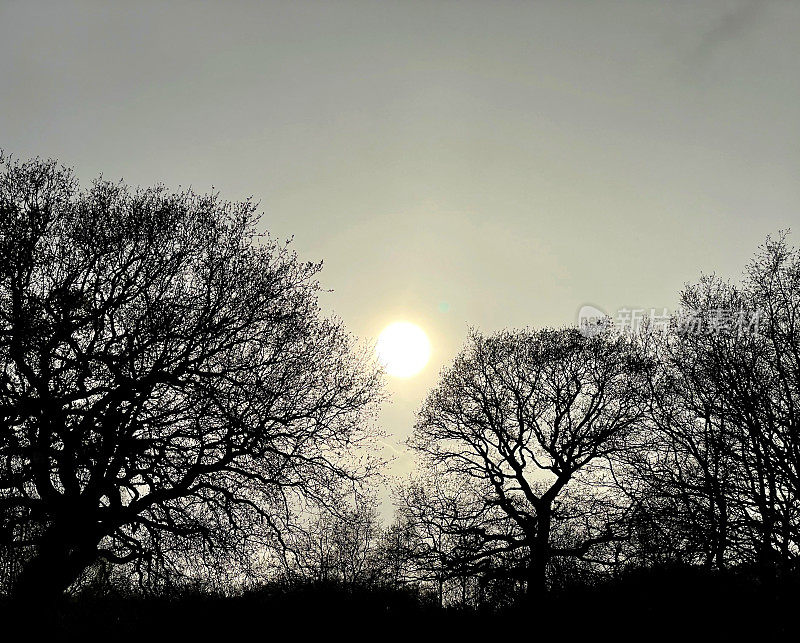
[{"x": 403, "y": 349}]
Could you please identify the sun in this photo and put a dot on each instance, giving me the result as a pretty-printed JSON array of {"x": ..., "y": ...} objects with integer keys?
[{"x": 403, "y": 349}]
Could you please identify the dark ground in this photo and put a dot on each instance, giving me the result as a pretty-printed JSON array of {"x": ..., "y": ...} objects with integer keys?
[{"x": 685, "y": 604}]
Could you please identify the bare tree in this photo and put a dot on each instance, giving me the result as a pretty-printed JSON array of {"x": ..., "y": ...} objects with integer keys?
[
  {"x": 449, "y": 527},
  {"x": 396, "y": 556},
  {"x": 532, "y": 418},
  {"x": 727, "y": 412},
  {"x": 165, "y": 375},
  {"x": 684, "y": 469}
]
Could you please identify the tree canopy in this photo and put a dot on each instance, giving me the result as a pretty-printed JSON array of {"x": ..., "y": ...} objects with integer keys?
[
  {"x": 530, "y": 419},
  {"x": 166, "y": 376}
]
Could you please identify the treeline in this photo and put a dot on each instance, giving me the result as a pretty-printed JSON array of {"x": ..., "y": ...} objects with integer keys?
[
  {"x": 176, "y": 415},
  {"x": 559, "y": 459}
]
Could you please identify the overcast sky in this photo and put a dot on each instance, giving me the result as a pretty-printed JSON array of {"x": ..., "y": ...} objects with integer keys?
[{"x": 490, "y": 164}]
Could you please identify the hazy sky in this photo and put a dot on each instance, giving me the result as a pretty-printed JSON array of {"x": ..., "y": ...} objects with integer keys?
[{"x": 489, "y": 164}]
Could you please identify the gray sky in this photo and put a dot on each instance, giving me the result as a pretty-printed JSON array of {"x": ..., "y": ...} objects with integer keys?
[{"x": 490, "y": 164}]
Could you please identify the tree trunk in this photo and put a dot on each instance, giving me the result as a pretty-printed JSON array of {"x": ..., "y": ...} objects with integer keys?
[
  {"x": 722, "y": 543},
  {"x": 766, "y": 553},
  {"x": 57, "y": 564},
  {"x": 540, "y": 555}
]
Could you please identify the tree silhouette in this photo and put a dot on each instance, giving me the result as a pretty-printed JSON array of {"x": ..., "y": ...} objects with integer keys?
[
  {"x": 165, "y": 376},
  {"x": 449, "y": 526},
  {"x": 684, "y": 469},
  {"x": 721, "y": 471},
  {"x": 340, "y": 545},
  {"x": 531, "y": 419}
]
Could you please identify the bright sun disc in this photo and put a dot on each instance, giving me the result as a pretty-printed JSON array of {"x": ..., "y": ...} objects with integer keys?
[{"x": 403, "y": 349}]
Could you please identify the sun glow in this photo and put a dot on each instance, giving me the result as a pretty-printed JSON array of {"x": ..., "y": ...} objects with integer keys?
[{"x": 403, "y": 349}]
